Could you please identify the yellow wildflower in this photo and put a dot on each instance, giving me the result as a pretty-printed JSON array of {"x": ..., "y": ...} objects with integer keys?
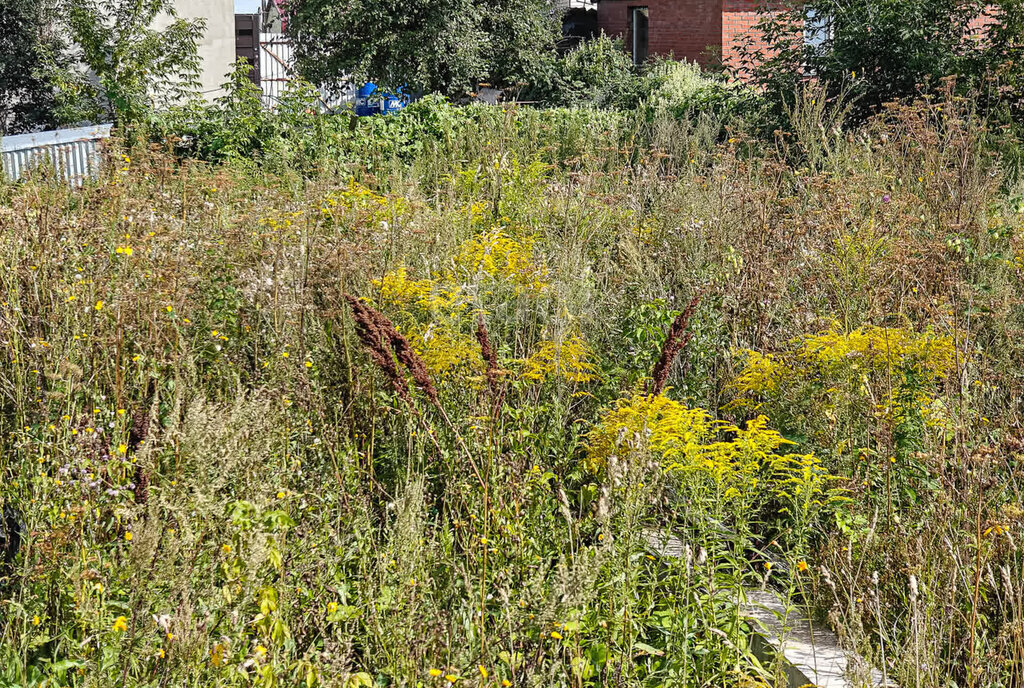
[
  {"x": 499, "y": 256},
  {"x": 569, "y": 360}
]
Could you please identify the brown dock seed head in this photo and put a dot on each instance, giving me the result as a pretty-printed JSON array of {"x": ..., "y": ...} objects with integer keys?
[
  {"x": 376, "y": 343},
  {"x": 384, "y": 342},
  {"x": 678, "y": 336},
  {"x": 139, "y": 430},
  {"x": 141, "y": 480},
  {"x": 488, "y": 353},
  {"x": 407, "y": 356}
]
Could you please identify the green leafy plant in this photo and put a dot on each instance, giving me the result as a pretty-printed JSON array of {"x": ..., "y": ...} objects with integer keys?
[{"x": 133, "y": 68}]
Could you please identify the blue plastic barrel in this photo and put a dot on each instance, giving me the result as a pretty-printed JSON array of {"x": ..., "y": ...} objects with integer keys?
[
  {"x": 372, "y": 101},
  {"x": 393, "y": 102},
  {"x": 364, "y": 106}
]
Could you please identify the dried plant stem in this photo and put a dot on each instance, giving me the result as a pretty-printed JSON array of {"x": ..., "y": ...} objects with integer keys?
[
  {"x": 675, "y": 342},
  {"x": 494, "y": 372},
  {"x": 385, "y": 343}
]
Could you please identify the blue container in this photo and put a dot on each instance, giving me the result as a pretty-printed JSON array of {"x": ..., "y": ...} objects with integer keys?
[
  {"x": 365, "y": 105},
  {"x": 393, "y": 102},
  {"x": 372, "y": 101}
]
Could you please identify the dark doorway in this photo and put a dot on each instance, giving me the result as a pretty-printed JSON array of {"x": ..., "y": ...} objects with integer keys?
[{"x": 638, "y": 24}]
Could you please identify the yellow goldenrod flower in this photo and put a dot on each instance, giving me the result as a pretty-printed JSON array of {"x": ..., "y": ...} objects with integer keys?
[
  {"x": 483, "y": 670},
  {"x": 99, "y": 305},
  {"x": 801, "y": 566},
  {"x": 435, "y": 672},
  {"x": 120, "y": 624},
  {"x": 128, "y": 536},
  {"x": 556, "y": 635}
]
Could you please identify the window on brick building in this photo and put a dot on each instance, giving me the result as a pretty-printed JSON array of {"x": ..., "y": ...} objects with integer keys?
[
  {"x": 817, "y": 29},
  {"x": 638, "y": 26}
]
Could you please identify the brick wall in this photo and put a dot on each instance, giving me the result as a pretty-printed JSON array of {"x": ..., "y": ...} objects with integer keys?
[
  {"x": 703, "y": 30},
  {"x": 738, "y": 19},
  {"x": 690, "y": 29}
]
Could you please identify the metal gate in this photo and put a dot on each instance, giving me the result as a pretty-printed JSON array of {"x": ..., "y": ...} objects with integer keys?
[{"x": 277, "y": 70}]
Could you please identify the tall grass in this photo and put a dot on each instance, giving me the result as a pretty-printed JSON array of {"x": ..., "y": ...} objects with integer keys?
[{"x": 221, "y": 486}]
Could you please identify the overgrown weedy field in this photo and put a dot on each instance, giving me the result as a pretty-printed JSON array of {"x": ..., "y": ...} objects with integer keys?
[{"x": 411, "y": 418}]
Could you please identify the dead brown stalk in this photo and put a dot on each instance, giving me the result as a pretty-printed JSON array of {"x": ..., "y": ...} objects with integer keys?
[{"x": 678, "y": 336}]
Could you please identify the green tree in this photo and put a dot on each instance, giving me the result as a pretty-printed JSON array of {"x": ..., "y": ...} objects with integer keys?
[
  {"x": 132, "y": 67},
  {"x": 30, "y": 50},
  {"x": 1002, "y": 61},
  {"x": 874, "y": 50},
  {"x": 444, "y": 46}
]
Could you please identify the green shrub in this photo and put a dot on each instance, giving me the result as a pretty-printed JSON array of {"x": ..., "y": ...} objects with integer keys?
[
  {"x": 685, "y": 89},
  {"x": 598, "y": 73}
]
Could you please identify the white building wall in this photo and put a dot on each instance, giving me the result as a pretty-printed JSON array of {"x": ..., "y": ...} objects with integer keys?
[
  {"x": 217, "y": 44},
  {"x": 566, "y": 5}
]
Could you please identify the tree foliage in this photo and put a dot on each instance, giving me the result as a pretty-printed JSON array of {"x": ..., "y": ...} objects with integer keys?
[
  {"x": 132, "y": 65},
  {"x": 68, "y": 61},
  {"x": 876, "y": 51},
  {"x": 30, "y": 48},
  {"x": 445, "y": 46}
]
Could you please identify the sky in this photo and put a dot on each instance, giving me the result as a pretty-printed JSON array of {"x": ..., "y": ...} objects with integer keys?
[{"x": 247, "y": 6}]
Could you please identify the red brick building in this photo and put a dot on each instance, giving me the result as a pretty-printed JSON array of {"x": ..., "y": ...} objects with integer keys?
[{"x": 704, "y": 31}]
